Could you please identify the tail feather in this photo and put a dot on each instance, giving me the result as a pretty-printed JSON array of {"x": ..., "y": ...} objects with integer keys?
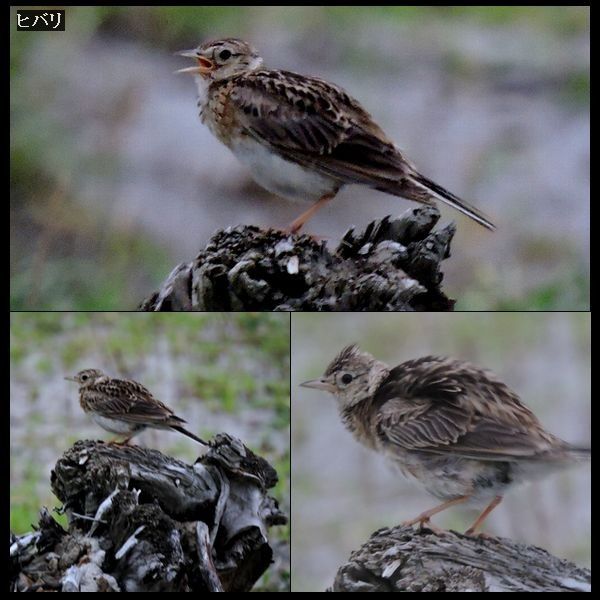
[
  {"x": 579, "y": 453},
  {"x": 454, "y": 201},
  {"x": 189, "y": 434}
]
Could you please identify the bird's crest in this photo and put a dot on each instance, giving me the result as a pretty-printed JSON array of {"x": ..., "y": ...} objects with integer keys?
[{"x": 345, "y": 356}]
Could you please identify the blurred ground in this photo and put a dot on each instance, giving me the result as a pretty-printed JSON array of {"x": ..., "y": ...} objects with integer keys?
[
  {"x": 342, "y": 492},
  {"x": 221, "y": 372},
  {"x": 114, "y": 180}
]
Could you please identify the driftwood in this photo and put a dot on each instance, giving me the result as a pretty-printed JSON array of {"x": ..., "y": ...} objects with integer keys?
[
  {"x": 393, "y": 265},
  {"x": 143, "y": 521},
  {"x": 406, "y": 560}
]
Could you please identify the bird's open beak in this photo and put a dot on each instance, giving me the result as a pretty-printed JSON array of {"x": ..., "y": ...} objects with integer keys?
[
  {"x": 204, "y": 66},
  {"x": 319, "y": 384}
]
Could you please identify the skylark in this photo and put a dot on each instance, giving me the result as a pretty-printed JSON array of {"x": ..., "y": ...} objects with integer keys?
[
  {"x": 124, "y": 406},
  {"x": 453, "y": 427},
  {"x": 302, "y": 137}
]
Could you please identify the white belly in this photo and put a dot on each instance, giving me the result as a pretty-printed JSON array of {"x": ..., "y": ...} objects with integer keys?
[
  {"x": 281, "y": 176},
  {"x": 115, "y": 426}
]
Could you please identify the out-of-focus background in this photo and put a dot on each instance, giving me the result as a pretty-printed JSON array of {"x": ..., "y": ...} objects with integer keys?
[
  {"x": 220, "y": 372},
  {"x": 342, "y": 492},
  {"x": 114, "y": 180}
]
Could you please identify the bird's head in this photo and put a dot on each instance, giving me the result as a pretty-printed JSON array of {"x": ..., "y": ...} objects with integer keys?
[
  {"x": 352, "y": 376},
  {"x": 221, "y": 59},
  {"x": 87, "y": 377}
]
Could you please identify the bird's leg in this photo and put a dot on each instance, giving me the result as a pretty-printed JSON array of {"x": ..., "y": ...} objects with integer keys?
[
  {"x": 482, "y": 517},
  {"x": 296, "y": 225},
  {"x": 423, "y": 518}
]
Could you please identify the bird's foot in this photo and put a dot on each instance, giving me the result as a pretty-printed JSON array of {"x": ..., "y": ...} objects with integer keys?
[
  {"x": 118, "y": 442},
  {"x": 291, "y": 230},
  {"x": 484, "y": 536},
  {"x": 424, "y": 523}
]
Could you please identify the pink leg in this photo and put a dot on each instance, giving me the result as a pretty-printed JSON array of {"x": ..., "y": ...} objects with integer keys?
[
  {"x": 296, "y": 225},
  {"x": 425, "y": 516},
  {"x": 482, "y": 517}
]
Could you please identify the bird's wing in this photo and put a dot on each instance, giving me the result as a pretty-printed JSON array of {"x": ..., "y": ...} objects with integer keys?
[
  {"x": 451, "y": 407},
  {"x": 129, "y": 401},
  {"x": 318, "y": 125}
]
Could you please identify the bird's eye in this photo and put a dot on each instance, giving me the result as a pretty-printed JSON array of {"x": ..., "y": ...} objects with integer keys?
[
  {"x": 225, "y": 54},
  {"x": 84, "y": 377},
  {"x": 346, "y": 378}
]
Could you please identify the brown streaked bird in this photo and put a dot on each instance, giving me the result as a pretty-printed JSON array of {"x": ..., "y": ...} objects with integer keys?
[
  {"x": 303, "y": 138},
  {"x": 453, "y": 427},
  {"x": 124, "y": 406}
]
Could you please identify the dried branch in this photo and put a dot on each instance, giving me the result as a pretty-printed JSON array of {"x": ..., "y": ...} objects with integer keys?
[
  {"x": 393, "y": 265},
  {"x": 143, "y": 521},
  {"x": 404, "y": 560}
]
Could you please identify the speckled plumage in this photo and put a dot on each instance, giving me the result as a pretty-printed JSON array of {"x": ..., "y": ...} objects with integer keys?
[
  {"x": 452, "y": 426},
  {"x": 124, "y": 406},
  {"x": 301, "y": 136}
]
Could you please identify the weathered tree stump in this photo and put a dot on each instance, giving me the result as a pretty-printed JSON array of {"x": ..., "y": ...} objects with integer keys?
[
  {"x": 140, "y": 521},
  {"x": 406, "y": 560},
  {"x": 393, "y": 265}
]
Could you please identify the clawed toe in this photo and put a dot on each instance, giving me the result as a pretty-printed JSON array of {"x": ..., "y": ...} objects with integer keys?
[
  {"x": 472, "y": 533},
  {"x": 429, "y": 525},
  {"x": 424, "y": 524},
  {"x": 297, "y": 231}
]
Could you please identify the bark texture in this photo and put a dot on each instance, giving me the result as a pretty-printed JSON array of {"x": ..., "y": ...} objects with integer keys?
[
  {"x": 140, "y": 521},
  {"x": 393, "y": 265},
  {"x": 406, "y": 560}
]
